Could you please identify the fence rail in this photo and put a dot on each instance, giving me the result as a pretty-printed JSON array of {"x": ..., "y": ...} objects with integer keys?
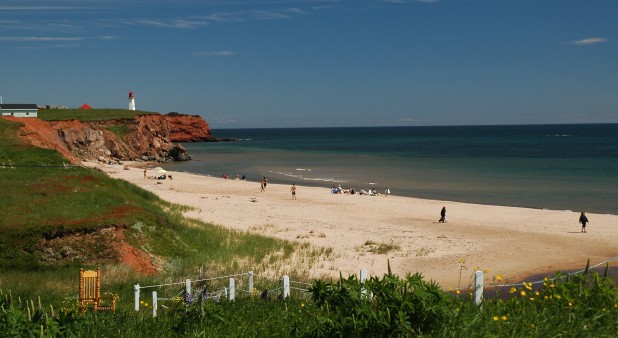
[{"x": 285, "y": 287}]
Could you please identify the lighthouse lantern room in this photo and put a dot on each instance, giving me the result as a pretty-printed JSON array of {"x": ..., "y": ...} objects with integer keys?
[{"x": 131, "y": 101}]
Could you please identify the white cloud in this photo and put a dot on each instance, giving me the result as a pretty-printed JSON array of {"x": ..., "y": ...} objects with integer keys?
[
  {"x": 588, "y": 41},
  {"x": 39, "y": 38}
]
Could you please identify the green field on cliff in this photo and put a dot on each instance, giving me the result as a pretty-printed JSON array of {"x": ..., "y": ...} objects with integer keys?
[{"x": 89, "y": 115}]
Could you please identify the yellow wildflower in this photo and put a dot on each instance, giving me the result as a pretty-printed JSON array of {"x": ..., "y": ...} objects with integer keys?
[
  {"x": 558, "y": 297},
  {"x": 458, "y": 291},
  {"x": 498, "y": 277},
  {"x": 522, "y": 293},
  {"x": 513, "y": 289},
  {"x": 302, "y": 304},
  {"x": 537, "y": 293},
  {"x": 504, "y": 318},
  {"x": 570, "y": 304},
  {"x": 532, "y": 298},
  {"x": 496, "y": 318}
]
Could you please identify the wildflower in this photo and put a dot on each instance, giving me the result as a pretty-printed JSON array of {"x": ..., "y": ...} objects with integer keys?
[
  {"x": 496, "y": 318},
  {"x": 504, "y": 318},
  {"x": 302, "y": 304},
  {"x": 486, "y": 271},
  {"x": 458, "y": 291},
  {"x": 513, "y": 289},
  {"x": 546, "y": 279},
  {"x": 558, "y": 297},
  {"x": 532, "y": 299},
  {"x": 537, "y": 293},
  {"x": 522, "y": 293},
  {"x": 498, "y": 277},
  {"x": 570, "y": 304},
  {"x": 545, "y": 297}
]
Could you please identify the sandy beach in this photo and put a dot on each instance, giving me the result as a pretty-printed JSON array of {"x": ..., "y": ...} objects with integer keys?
[{"x": 506, "y": 241}]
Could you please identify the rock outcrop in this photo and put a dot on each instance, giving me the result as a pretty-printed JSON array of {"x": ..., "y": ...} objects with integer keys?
[{"x": 143, "y": 138}]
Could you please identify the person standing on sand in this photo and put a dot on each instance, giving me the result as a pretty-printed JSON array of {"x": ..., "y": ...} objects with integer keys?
[
  {"x": 583, "y": 220},
  {"x": 263, "y": 184},
  {"x": 293, "y": 190},
  {"x": 443, "y": 215},
  {"x": 144, "y": 172}
]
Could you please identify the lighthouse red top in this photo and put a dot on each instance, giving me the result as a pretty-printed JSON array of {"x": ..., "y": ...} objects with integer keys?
[{"x": 131, "y": 94}]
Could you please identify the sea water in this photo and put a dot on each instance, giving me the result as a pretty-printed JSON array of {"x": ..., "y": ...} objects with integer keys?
[{"x": 563, "y": 167}]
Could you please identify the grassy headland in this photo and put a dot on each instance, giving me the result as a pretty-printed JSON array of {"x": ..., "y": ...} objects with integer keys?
[
  {"x": 89, "y": 115},
  {"x": 57, "y": 219}
]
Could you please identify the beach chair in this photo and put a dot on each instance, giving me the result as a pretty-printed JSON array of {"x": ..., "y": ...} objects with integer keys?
[{"x": 90, "y": 291}]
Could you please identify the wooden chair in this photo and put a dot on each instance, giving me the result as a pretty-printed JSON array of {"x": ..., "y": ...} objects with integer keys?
[{"x": 90, "y": 290}]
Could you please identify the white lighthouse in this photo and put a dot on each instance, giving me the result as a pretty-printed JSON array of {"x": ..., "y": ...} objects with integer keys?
[{"x": 131, "y": 101}]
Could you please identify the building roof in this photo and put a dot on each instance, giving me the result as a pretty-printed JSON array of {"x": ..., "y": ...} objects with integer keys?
[
  {"x": 85, "y": 106},
  {"x": 18, "y": 106}
]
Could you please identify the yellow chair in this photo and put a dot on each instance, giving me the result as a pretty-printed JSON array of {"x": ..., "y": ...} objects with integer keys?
[{"x": 90, "y": 290}]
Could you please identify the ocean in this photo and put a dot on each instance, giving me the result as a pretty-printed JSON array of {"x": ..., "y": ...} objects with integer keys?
[{"x": 560, "y": 167}]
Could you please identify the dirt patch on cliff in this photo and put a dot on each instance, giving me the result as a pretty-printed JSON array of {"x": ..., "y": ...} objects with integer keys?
[
  {"x": 40, "y": 134},
  {"x": 103, "y": 246}
]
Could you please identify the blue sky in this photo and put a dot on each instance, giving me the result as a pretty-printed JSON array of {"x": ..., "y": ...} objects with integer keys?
[{"x": 295, "y": 63}]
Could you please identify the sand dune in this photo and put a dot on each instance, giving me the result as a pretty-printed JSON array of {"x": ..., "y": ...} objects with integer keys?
[{"x": 507, "y": 241}]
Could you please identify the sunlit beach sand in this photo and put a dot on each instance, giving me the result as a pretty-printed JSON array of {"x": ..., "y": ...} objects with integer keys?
[{"x": 506, "y": 241}]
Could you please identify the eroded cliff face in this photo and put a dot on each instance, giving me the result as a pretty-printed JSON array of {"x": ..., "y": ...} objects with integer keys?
[{"x": 144, "y": 138}]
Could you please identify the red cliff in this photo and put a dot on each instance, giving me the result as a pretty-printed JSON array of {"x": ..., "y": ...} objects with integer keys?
[{"x": 143, "y": 138}]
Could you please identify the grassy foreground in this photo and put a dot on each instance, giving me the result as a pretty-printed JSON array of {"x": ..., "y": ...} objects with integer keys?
[
  {"x": 57, "y": 219},
  {"x": 582, "y": 306}
]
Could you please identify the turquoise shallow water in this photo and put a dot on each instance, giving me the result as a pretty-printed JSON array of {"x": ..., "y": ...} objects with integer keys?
[{"x": 565, "y": 167}]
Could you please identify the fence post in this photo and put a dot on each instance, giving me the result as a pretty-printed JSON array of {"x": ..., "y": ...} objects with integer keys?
[
  {"x": 154, "y": 303},
  {"x": 250, "y": 282},
  {"x": 363, "y": 277},
  {"x": 286, "y": 286},
  {"x": 232, "y": 288},
  {"x": 188, "y": 293},
  {"x": 478, "y": 287},
  {"x": 136, "y": 292}
]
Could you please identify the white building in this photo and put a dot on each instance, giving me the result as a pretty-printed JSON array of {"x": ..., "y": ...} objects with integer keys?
[
  {"x": 19, "y": 110},
  {"x": 131, "y": 101}
]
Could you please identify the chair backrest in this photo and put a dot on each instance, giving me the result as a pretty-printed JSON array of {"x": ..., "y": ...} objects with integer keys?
[{"x": 89, "y": 286}]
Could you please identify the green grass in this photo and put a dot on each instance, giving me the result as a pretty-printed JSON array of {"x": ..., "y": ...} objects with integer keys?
[
  {"x": 583, "y": 306},
  {"x": 89, "y": 115}
]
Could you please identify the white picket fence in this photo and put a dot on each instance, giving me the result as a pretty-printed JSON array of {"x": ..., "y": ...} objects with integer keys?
[
  {"x": 286, "y": 285},
  {"x": 229, "y": 291}
]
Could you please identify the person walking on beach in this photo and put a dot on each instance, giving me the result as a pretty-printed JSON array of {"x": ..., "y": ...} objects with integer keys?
[
  {"x": 263, "y": 184},
  {"x": 443, "y": 215},
  {"x": 583, "y": 220},
  {"x": 293, "y": 190},
  {"x": 144, "y": 172}
]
